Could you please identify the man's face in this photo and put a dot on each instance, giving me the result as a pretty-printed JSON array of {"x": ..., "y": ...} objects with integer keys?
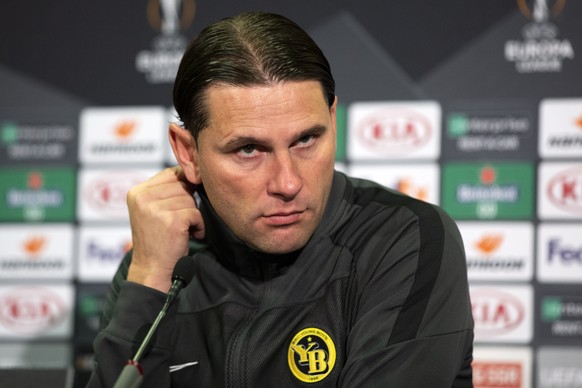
[{"x": 266, "y": 160}]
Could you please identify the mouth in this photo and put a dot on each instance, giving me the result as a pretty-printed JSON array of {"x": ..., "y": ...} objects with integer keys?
[{"x": 284, "y": 218}]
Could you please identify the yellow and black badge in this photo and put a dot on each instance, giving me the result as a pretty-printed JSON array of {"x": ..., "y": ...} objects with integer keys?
[{"x": 311, "y": 355}]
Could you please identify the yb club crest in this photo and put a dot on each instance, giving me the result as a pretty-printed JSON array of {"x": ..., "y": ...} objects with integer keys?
[{"x": 311, "y": 355}]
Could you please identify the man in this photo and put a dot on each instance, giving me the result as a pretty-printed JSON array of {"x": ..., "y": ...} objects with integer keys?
[{"x": 303, "y": 276}]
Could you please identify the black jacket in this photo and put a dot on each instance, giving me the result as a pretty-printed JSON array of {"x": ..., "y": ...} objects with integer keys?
[{"x": 377, "y": 298}]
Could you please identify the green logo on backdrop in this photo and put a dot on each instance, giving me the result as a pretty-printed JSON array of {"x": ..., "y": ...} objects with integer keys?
[
  {"x": 458, "y": 125},
  {"x": 44, "y": 194},
  {"x": 341, "y": 133},
  {"x": 488, "y": 191},
  {"x": 9, "y": 132},
  {"x": 551, "y": 309}
]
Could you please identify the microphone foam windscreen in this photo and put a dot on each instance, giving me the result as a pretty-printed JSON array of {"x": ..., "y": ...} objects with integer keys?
[{"x": 184, "y": 270}]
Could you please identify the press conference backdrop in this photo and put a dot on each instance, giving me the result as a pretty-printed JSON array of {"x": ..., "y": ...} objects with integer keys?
[{"x": 475, "y": 105}]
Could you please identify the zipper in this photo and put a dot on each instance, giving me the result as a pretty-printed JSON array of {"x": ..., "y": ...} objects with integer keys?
[{"x": 235, "y": 364}]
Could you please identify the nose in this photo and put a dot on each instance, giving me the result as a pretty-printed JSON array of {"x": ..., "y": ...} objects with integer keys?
[{"x": 285, "y": 181}]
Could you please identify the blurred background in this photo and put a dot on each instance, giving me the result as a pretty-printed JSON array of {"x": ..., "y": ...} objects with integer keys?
[{"x": 473, "y": 105}]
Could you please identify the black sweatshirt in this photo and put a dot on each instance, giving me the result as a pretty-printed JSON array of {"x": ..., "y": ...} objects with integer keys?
[{"x": 377, "y": 298}]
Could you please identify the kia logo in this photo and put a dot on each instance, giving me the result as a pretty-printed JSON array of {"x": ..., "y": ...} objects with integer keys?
[
  {"x": 108, "y": 193},
  {"x": 565, "y": 190},
  {"x": 394, "y": 131},
  {"x": 31, "y": 310},
  {"x": 495, "y": 312}
]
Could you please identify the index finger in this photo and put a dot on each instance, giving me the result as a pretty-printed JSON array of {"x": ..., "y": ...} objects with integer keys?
[{"x": 168, "y": 175}]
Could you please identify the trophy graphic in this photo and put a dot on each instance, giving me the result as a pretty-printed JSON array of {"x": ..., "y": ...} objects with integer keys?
[{"x": 169, "y": 17}]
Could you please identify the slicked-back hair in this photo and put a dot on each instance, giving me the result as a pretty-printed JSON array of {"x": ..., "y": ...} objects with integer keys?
[{"x": 251, "y": 49}]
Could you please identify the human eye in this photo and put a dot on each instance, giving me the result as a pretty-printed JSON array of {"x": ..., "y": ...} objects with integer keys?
[
  {"x": 309, "y": 137},
  {"x": 248, "y": 150},
  {"x": 305, "y": 141}
]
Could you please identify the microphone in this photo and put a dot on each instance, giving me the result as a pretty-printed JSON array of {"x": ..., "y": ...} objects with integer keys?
[{"x": 132, "y": 374}]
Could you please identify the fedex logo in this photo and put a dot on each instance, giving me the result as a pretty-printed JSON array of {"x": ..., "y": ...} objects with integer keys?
[
  {"x": 105, "y": 254},
  {"x": 101, "y": 249},
  {"x": 560, "y": 253},
  {"x": 566, "y": 254}
]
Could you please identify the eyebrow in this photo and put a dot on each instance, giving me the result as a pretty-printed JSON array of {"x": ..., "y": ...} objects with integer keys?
[{"x": 241, "y": 141}]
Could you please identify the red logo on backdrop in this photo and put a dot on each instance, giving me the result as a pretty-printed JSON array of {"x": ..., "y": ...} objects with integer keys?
[
  {"x": 31, "y": 310},
  {"x": 35, "y": 180},
  {"x": 397, "y": 131},
  {"x": 497, "y": 374},
  {"x": 495, "y": 312},
  {"x": 565, "y": 190},
  {"x": 107, "y": 194},
  {"x": 488, "y": 175}
]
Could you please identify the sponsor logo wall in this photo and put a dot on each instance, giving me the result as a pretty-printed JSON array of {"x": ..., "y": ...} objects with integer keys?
[
  {"x": 506, "y": 166},
  {"x": 519, "y": 216}
]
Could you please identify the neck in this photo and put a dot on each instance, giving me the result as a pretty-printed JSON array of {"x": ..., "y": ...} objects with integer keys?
[{"x": 234, "y": 254}]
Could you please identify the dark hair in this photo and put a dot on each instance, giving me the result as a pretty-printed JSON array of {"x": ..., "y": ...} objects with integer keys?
[{"x": 253, "y": 48}]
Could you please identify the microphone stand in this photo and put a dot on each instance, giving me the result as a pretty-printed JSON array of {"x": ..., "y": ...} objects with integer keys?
[{"x": 132, "y": 374}]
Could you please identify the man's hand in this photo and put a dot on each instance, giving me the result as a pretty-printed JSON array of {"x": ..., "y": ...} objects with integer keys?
[{"x": 163, "y": 215}]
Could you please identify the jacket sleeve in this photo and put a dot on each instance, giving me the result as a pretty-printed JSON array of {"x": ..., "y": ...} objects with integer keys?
[
  {"x": 414, "y": 326},
  {"x": 129, "y": 312}
]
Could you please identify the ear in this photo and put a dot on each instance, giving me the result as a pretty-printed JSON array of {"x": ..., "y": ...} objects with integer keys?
[
  {"x": 333, "y": 113},
  {"x": 184, "y": 147}
]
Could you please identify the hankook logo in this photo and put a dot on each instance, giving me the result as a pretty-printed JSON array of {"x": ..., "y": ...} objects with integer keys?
[
  {"x": 125, "y": 129},
  {"x": 311, "y": 355},
  {"x": 34, "y": 245},
  {"x": 489, "y": 243},
  {"x": 560, "y": 128}
]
